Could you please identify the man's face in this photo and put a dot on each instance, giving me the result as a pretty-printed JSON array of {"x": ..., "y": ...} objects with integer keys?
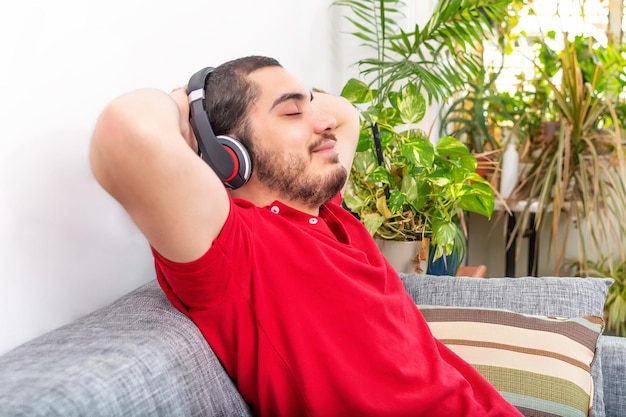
[{"x": 292, "y": 140}]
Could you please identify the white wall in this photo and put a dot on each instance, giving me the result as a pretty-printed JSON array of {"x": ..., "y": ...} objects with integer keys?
[{"x": 66, "y": 248}]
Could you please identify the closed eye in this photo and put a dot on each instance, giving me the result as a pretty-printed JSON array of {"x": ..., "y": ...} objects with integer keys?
[
  {"x": 292, "y": 109},
  {"x": 289, "y": 104}
]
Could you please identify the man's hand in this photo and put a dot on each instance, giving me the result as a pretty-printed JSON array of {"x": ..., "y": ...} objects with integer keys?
[{"x": 180, "y": 97}]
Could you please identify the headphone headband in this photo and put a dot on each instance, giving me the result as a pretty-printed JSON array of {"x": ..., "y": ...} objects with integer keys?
[
  {"x": 225, "y": 155},
  {"x": 196, "y": 86}
]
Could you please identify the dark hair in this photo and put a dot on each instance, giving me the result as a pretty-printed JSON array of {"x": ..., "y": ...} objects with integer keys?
[{"x": 229, "y": 94}]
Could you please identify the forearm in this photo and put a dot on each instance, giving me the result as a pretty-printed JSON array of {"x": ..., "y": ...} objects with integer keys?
[
  {"x": 348, "y": 124},
  {"x": 141, "y": 154}
]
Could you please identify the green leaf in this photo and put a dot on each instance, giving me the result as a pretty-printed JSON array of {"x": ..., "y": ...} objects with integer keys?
[
  {"x": 379, "y": 174},
  {"x": 424, "y": 197},
  {"x": 387, "y": 135},
  {"x": 390, "y": 117},
  {"x": 444, "y": 233},
  {"x": 478, "y": 198},
  {"x": 419, "y": 152},
  {"x": 469, "y": 163},
  {"x": 440, "y": 177},
  {"x": 476, "y": 204},
  {"x": 365, "y": 141},
  {"x": 412, "y": 107},
  {"x": 371, "y": 114},
  {"x": 409, "y": 186},
  {"x": 363, "y": 162},
  {"x": 353, "y": 201},
  {"x": 451, "y": 147},
  {"x": 394, "y": 99},
  {"x": 356, "y": 91},
  {"x": 397, "y": 200},
  {"x": 372, "y": 222}
]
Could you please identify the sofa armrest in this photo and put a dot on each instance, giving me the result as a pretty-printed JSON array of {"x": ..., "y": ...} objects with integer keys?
[
  {"x": 611, "y": 352},
  {"x": 136, "y": 357}
]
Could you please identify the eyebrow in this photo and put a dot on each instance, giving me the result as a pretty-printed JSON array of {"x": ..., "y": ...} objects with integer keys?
[{"x": 291, "y": 96}]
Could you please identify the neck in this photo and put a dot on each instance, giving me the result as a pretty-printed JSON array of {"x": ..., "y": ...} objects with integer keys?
[{"x": 261, "y": 196}]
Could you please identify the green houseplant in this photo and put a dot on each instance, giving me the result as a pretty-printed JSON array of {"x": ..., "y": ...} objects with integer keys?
[
  {"x": 410, "y": 188},
  {"x": 576, "y": 172},
  {"x": 479, "y": 114},
  {"x": 403, "y": 187},
  {"x": 580, "y": 173},
  {"x": 439, "y": 57},
  {"x": 484, "y": 119}
]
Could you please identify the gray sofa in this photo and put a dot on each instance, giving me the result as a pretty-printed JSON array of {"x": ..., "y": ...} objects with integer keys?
[{"x": 141, "y": 357}]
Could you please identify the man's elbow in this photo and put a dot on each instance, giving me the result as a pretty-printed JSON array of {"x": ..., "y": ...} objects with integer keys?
[{"x": 111, "y": 141}]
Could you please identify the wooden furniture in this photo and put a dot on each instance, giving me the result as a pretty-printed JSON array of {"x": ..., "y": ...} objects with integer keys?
[{"x": 479, "y": 271}]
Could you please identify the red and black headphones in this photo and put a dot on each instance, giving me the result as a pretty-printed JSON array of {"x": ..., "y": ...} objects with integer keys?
[{"x": 226, "y": 156}]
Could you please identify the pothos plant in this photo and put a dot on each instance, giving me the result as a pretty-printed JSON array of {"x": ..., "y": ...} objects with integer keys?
[{"x": 403, "y": 187}]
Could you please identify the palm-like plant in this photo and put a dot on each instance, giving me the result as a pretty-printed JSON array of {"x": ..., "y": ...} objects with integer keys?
[
  {"x": 438, "y": 57},
  {"x": 479, "y": 113},
  {"x": 579, "y": 171}
]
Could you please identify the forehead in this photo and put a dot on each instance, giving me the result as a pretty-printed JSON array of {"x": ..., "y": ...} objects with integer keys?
[{"x": 274, "y": 83}]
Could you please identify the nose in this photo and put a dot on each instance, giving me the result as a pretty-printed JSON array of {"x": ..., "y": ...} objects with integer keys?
[{"x": 324, "y": 122}]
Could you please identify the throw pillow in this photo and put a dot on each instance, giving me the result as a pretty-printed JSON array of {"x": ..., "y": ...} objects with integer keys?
[{"x": 540, "y": 364}]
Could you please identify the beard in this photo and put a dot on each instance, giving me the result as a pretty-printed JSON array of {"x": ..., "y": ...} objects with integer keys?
[{"x": 289, "y": 175}]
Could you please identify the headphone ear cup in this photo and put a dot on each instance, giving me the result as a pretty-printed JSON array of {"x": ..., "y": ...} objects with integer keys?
[{"x": 242, "y": 162}]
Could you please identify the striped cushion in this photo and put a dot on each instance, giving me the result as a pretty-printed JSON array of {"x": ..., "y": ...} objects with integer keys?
[{"x": 542, "y": 365}]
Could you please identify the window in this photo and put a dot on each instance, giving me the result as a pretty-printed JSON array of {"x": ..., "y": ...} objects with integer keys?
[{"x": 537, "y": 20}]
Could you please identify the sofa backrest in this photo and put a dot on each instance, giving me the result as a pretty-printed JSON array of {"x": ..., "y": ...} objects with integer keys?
[
  {"x": 548, "y": 296},
  {"x": 136, "y": 357}
]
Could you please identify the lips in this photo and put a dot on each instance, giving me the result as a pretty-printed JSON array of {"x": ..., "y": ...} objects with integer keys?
[
  {"x": 325, "y": 146},
  {"x": 326, "y": 143}
]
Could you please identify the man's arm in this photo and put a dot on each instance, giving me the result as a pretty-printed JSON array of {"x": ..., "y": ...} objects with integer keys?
[
  {"x": 348, "y": 125},
  {"x": 144, "y": 154}
]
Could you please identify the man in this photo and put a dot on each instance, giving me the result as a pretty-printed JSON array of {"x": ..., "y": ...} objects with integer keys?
[{"x": 288, "y": 288}]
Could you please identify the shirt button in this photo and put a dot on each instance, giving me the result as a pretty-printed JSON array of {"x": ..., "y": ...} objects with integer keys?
[
  {"x": 313, "y": 220},
  {"x": 275, "y": 209}
]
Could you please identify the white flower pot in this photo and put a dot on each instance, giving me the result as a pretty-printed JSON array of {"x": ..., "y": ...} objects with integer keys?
[{"x": 405, "y": 257}]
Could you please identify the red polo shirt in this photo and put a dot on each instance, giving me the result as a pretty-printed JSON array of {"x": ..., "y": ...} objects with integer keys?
[{"x": 309, "y": 319}]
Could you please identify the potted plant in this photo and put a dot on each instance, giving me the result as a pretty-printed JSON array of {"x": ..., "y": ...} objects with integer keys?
[
  {"x": 479, "y": 114},
  {"x": 483, "y": 119},
  {"x": 406, "y": 188},
  {"x": 576, "y": 172},
  {"x": 402, "y": 186}
]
